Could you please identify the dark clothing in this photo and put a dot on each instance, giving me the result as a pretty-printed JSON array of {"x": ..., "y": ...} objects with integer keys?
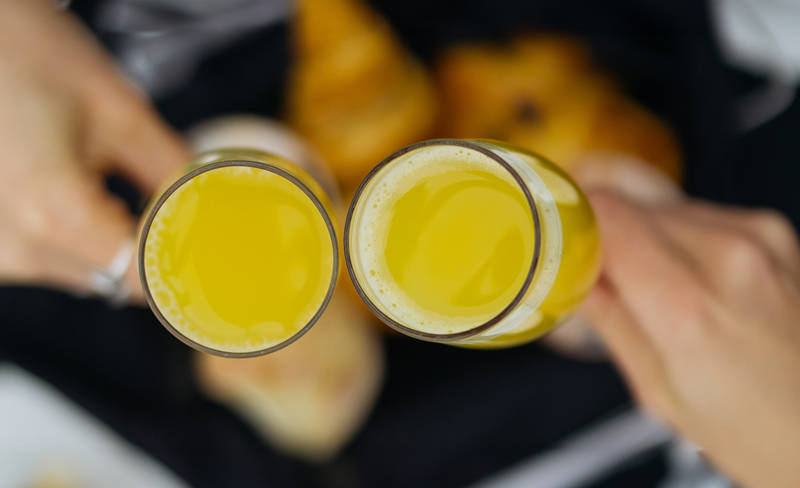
[{"x": 446, "y": 416}]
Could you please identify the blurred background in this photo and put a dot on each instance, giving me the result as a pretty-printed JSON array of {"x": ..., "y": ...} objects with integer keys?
[{"x": 704, "y": 92}]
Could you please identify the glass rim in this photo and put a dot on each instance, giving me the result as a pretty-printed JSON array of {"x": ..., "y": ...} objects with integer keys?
[
  {"x": 209, "y": 167},
  {"x": 473, "y": 144}
]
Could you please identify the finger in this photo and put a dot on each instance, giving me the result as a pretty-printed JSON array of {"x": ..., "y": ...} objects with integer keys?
[
  {"x": 732, "y": 262},
  {"x": 652, "y": 277},
  {"x": 632, "y": 350},
  {"x": 768, "y": 227},
  {"x": 85, "y": 228},
  {"x": 146, "y": 149},
  {"x": 627, "y": 175},
  {"x": 121, "y": 126},
  {"x": 59, "y": 270},
  {"x": 134, "y": 139},
  {"x": 26, "y": 261},
  {"x": 52, "y": 267}
]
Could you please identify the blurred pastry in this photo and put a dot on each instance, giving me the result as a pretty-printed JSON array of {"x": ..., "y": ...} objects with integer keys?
[
  {"x": 355, "y": 93},
  {"x": 542, "y": 92},
  {"x": 310, "y": 398}
]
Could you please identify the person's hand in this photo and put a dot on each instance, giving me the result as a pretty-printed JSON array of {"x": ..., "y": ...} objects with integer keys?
[
  {"x": 67, "y": 117},
  {"x": 700, "y": 307},
  {"x": 639, "y": 181}
]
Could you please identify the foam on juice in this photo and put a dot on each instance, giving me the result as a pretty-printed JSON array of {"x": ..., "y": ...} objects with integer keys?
[
  {"x": 440, "y": 206},
  {"x": 238, "y": 259}
]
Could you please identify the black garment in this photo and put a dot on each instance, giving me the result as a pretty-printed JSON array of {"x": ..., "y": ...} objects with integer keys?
[{"x": 446, "y": 416}]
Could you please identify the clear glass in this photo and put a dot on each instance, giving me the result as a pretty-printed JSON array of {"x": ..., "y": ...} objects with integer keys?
[
  {"x": 565, "y": 258},
  {"x": 237, "y": 158}
]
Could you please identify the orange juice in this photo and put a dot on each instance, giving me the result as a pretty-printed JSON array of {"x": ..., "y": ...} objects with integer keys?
[
  {"x": 239, "y": 256},
  {"x": 471, "y": 242}
]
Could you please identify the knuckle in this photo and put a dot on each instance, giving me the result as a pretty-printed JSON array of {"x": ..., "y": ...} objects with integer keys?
[
  {"x": 741, "y": 254},
  {"x": 774, "y": 226},
  {"x": 743, "y": 266}
]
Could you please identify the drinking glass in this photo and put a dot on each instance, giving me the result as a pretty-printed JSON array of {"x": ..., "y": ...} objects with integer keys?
[
  {"x": 445, "y": 208},
  {"x": 238, "y": 257}
]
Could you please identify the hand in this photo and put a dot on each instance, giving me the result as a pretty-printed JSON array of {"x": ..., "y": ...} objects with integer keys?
[
  {"x": 68, "y": 116},
  {"x": 637, "y": 180},
  {"x": 700, "y": 307}
]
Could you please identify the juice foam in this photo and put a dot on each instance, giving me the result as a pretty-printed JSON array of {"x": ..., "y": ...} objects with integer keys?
[
  {"x": 445, "y": 239},
  {"x": 238, "y": 259}
]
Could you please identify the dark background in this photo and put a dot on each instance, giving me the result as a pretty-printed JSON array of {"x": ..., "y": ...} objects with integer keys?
[{"x": 446, "y": 416}]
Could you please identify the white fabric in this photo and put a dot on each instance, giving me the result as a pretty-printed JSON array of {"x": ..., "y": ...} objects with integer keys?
[
  {"x": 43, "y": 435},
  {"x": 761, "y": 36},
  {"x": 587, "y": 455}
]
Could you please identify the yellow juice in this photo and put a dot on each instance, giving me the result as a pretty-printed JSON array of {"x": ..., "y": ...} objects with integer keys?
[
  {"x": 238, "y": 259},
  {"x": 448, "y": 244},
  {"x": 453, "y": 243},
  {"x": 459, "y": 243},
  {"x": 579, "y": 260}
]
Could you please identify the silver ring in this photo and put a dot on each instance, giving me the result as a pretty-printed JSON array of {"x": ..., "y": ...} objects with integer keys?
[{"x": 109, "y": 283}]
